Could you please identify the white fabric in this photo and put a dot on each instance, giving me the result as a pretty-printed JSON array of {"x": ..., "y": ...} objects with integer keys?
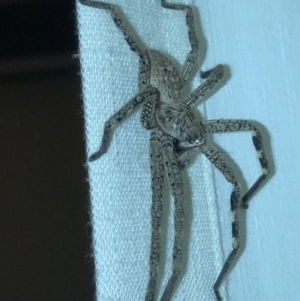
[
  {"x": 259, "y": 40},
  {"x": 120, "y": 180}
]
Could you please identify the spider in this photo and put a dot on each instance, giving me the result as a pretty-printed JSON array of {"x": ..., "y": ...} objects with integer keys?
[{"x": 176, "y": 136}]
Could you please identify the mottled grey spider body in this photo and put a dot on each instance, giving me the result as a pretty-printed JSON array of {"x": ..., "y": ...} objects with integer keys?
[{"x": 177, "y": 134}]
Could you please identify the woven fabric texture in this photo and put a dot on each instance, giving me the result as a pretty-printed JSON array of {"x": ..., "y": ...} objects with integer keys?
[{"x": 120, "y": 180}]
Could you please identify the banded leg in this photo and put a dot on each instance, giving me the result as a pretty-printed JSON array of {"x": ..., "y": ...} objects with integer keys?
[
  {"x": 215, "y": 75},
  {"x": 117, "y": 18},
  {"x": 157, "y": 179},
  {"x": 193, "y": 54},
  {"x": 144, "y": 73},
  {"x": 119, "y": 116},
  {"x": 225, "y": 126},
  {"x": 217, "y": 159},
  {"x": 176, "y": 186}
]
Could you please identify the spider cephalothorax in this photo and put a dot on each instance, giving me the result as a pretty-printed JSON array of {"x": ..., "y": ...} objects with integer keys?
[{"x": 176, "y": 135}]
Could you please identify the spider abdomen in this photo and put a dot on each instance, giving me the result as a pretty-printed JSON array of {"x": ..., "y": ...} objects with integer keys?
[
  {"x": 165, "y": 77},
  {"x": 180, "y": 122}
]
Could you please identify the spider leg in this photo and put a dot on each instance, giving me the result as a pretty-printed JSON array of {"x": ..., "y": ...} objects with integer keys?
[
  {"x": 217, "y": 159},
  {"x": 215, "y": 75},
  {"x": 193, "y": 54},
  {"x": 144, "y": 73},
  {"x": 118, "y": 20},
  {"x": 144, "y": 63},
  {"x": 157, "y": 179},
  {"x": 176, "y": 185},
  {"x": 119, "y": 116},
  {"x": 224, "y": 126}
]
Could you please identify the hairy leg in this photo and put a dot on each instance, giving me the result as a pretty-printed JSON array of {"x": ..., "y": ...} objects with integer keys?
[
  {"x": 118, "y": 20},
  {"x": 144, "y": 73},
  {"x": 176, "y": 185},
  {"x": 213, "y": 77},
  {"x": 225, "y": 126},
  {"x": 193, "y": 54},
  {"x": 157, "y": 180},
  {"x": 119, "y": 116},
  {"x": 235, "y": 201}
]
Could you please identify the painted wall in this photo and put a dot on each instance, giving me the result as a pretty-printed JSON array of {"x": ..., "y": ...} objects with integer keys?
[{"x": 259, "y": 40}]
